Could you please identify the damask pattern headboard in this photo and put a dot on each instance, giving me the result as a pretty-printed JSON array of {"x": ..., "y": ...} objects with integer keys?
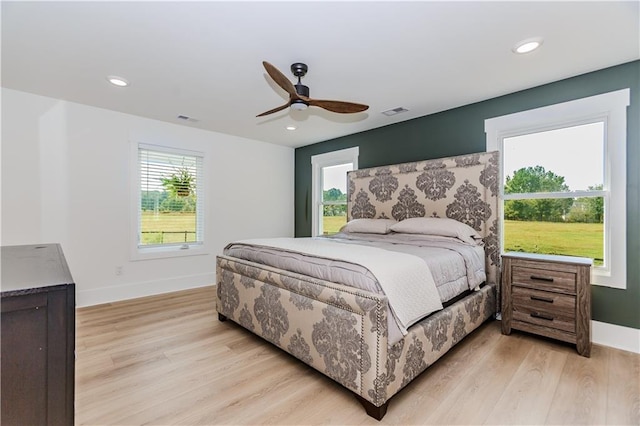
[{"x": 464, "y": 188}]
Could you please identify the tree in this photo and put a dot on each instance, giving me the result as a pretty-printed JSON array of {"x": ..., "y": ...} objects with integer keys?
[
  {"x": 151, "y": 200},
  {"x": 179, "y": 204},
  {"x": 334, "y": 210},
  {"x": 334, "y": 194},
  {"x": 165, "y": 202},
  {"x": 534, "y": 180},
  {"x": 593, "y": 206},
  {"x": 181, "y": 183}
]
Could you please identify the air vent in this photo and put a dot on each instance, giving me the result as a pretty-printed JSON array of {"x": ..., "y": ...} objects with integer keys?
[
  {"x": 394, "y": 111},
  {"x": 187, "y": 118}
]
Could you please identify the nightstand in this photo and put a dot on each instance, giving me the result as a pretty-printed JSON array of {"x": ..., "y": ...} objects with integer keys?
[{"x": 548, "y": 295}]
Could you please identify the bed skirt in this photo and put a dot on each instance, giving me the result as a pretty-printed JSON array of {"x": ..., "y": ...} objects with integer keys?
[{"x": 342, "y": 331}]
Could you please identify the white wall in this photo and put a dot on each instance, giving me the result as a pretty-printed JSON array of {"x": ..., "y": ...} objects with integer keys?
[{"x": 66, "y": 179}]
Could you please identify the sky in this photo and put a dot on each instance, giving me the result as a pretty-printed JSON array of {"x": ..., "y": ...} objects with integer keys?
[
  {"x": 336, "y": 177},
  {"x": 576, "y": 153}
]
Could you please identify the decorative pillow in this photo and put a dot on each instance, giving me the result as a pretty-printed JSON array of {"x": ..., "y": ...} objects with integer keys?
[
  {"x": 369, "y": 226},
  {"x": 438, "y": 226}
]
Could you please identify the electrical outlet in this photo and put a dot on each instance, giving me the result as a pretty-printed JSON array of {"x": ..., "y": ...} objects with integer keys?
[{"x": 118, "y": 270}]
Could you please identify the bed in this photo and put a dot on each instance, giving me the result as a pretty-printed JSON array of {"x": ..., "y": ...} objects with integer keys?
[{"x": 374, "y": 337}]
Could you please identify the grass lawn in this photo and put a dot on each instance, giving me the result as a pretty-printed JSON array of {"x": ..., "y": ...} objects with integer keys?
[
  {"x": 332, "y": 224},
  {"x": 570, "y": 239},
  {"x": 153, "y": 224}
]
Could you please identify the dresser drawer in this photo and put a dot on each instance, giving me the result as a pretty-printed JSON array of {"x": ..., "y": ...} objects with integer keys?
[
  {"x": 544, "y": 279},
  {"x": 546, "y": 309}
]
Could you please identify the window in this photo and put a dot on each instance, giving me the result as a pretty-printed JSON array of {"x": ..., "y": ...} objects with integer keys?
[
  {"x": 554, "y": 204},
  {"x": 169, "y": 197},
  {"x": 563, "y": 181},
  {"x": 329, "y": 183}
]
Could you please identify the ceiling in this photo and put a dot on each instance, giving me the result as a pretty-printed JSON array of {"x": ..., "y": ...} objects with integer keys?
[{"x": 204, "y": 59}]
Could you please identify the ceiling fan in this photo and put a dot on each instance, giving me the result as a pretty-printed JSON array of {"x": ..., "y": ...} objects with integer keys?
[{"x": 299, "y": 94}]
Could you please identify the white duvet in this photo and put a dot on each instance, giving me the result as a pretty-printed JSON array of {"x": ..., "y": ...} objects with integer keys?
[{"x": 405, "y": 279}]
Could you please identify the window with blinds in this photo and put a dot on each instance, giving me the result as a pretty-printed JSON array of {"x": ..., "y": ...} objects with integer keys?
[{"x": 170, "y": 207}]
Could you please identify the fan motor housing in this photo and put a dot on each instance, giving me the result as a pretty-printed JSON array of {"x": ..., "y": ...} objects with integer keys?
[{"x": 302, "y": 90}]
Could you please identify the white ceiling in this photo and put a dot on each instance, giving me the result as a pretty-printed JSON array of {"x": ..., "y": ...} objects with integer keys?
[{"x": 204, "y": 59}]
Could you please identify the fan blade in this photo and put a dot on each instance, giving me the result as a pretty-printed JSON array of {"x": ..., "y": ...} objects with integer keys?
[
  {"x": 280, "y": 79},
  {"x": 271, "y": 111},
  {"x": 336, "y": 106}
]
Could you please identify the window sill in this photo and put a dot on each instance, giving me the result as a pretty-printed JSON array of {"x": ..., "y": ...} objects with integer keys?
[
  {"x": 151, "y": 253},
  {"x": 605, "y": 278}
]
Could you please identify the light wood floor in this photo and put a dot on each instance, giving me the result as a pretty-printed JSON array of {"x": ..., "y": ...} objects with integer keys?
[{"x": 167, "y": 360}]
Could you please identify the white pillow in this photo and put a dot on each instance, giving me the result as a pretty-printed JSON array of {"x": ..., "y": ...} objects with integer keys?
[
  {"x": 369, "y": 226},
  {"x": 438, "y": 226}
]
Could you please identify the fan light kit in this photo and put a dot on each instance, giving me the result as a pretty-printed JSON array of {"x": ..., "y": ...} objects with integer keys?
[
  {"x": 299, "y": 105},
  {"x": 117, "y": 81},
  {"x": 299, "y": 93},
  {"x": 528, "y": 45}
]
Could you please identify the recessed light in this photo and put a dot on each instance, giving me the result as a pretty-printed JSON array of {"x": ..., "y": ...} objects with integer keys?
[
  {"x": 117, "y": 81},
  {"x": 290, "y": 127},
  {"x": 527, "y": 45}
]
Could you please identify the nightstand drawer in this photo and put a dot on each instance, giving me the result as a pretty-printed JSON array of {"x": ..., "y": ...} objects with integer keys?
[
  {"x": 550, "y": 309},
  {"x": 544, "y": 279},
  {"x": 558, "y": 320}
]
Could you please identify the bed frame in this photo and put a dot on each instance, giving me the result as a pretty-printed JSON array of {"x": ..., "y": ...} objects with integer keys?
[{"x": 342, "y": 331}]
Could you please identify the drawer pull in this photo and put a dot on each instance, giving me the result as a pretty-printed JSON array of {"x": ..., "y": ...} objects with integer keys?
[
  {"x": 541, "y": 316},
  {"x": 547, "y": 279},
  {"x": 542, "y": 299}
]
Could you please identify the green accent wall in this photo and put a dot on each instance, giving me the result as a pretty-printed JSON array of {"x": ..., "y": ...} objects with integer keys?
[{"x": 461, "y": 131}]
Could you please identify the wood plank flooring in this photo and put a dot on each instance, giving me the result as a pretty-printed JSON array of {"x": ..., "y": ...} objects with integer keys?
[{"x": 168, "y": 360}]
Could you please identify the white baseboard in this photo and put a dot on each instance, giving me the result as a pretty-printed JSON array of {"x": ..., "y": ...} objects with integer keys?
[
  {"x": 615, "y": 336},
  {"x": 115, "y": 293},
  {"x": 602, "y": 333}
]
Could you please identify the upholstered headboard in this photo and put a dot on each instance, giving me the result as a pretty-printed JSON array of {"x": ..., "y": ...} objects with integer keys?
[{"x": 464, "y": 188}]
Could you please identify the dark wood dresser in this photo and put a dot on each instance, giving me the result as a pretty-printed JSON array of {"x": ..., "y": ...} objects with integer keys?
[
  {"x": 549, "y": 296},
  {"x": 38, "y": 336}
]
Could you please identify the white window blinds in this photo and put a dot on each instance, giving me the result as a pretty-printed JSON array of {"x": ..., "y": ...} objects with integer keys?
[{"x": 171, "y": 199}]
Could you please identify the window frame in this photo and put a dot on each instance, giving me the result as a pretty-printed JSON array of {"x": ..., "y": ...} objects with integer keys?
[
  {"x": 138, "y": 252},
  {"x": 318, "y": 163},
  {"x": 609, "y": 108}
]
